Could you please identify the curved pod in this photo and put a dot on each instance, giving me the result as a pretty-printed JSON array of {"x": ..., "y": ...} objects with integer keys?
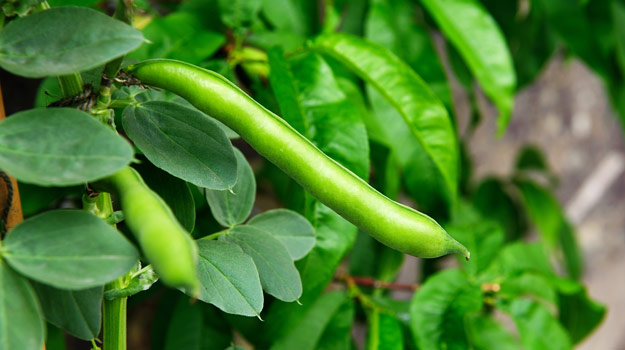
[{"x": 391, "y": 223}]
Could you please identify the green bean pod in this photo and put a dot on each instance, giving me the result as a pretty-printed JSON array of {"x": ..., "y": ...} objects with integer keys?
[
  {"x": 391, "y": 223},
  {"x": 164, "y": 242}
]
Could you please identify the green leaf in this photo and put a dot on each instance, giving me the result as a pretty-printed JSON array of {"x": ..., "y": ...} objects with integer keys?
[
  {"x": 20, "y": 315},
  {"x": 517, "y": 258},
  {"x": 486, "y": 334},
  {"x": 618, "y": 20},
  {"x": 290, "y": 228},
  {"x": 438, "y": 310},
  {"x": 55, "y": 338},
  {"x": 190, "y": 330},
  {"x": 78, "y": 312},
  {"x": 338, "y": 332},
  {"x": 425, "y": 116},
  {"x": 570, "y": 23},
  {"x": 334, "y": 237},
  {"x": 579, "y": 314},
  {"x": 179, "y": 36},
  {"x": 384, "y": 332},
  {"x": 231, "y": 207},
  {"x": 537, "y": 327},
  {"x": 182, "y": 142},
  {"x": 60, "y": 147},
  {"x": 175, "y": 192},
  {"x": 277, "y": 272},
  {"x": 69, "y": 249},
  {"x": 530, "y": 284},
  {"x": 393, "y": 24},
  {"x": 306, "y": 334},
  {"x": 290, "y": 16},
  {"x": 371, "y": 258},
  {"x": 480, "y": 42},
  {"x": 548, "y": 217},
  {"x": 283, "y": 86},
  {"x": 228, "y": 278},
  {"x": 238, "y": 13},
  {"x": 333, "y": 124},
  {"x": 64, "y": 40},
  {"x": 482, "y": 237},
  {"x": 493, "y": 200}
]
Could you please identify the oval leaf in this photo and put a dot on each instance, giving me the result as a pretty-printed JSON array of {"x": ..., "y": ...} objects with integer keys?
[
  {"x": 290, "y": 228},
  {"x": 480, "y": 42},
  {"x": 183, "y": 142},
  {"x": 233, "y": 207},
  {"x": 78, "y": 312},
  {"x": 384, "y": 332},
  {"x": 69, "y": 249},
  {"x": 20, "y": 315},
  {"x": 228, "y": 278},
  {"x": 424, "y": 114},
  {"x": 64, "y": 40},
  {"x": 437, "y": 310},
  {"x": 60, "y": 147},
  {"x": 277, "y": 272}
]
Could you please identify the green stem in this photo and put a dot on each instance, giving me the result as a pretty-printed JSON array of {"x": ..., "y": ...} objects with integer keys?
[
  {"x": 216, "y": 234},
  {"x": 114, "y": 322},
  {"x": 114, "y": 311},
  {"x": 70, "y": 84}
]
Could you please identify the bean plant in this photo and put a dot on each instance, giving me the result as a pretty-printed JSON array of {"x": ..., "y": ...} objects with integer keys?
[{"x": 160, "y": 186}]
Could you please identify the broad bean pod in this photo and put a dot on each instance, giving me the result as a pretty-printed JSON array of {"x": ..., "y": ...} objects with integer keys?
[
  {"x": 165, "y": 243},
  {"x": 391, "y": 223}
]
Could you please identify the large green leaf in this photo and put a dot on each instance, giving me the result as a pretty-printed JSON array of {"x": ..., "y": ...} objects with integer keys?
[
  {"x": 69, "y": 249},
  {"x": 183, "y": 142},
  {"x": 571, "y": 25},
  {"x": 189, "y": 329},
  {"x": 494, "y": 201},
  {"x": 64, "y": 40},
  {"x": 548, "y": 217},
  {"x": 334, "y": 237},
  {"x": 393, "y": 24},
  {"x": 22, "y": 322},
  {"x": 486, "y": 334},
  {"x": 384, "y": 332},
  {"x": 60, "y": 147},
  {"x": 332, "y": 123},
  {"x": 228, "y": 278},
  {"x": 179, "y": 36},
  {"x": 538, "y": 328},
  {"x": 480, "y": 42},
  {"x": 277, "y": 272},
  {"x": 424, "y": 114},
  {"x": 482, "y": 237},
  {"x": 78, "y": 312},
  {"x": 438, "y": 310},
  {"x": 338, "y": 332},
  {"x": 306, "y": 334},
  {"x": 285, "y": 90},
  {"x": 231, "y": 207},
  {"x": 290, "y": 228},
  {"x": 579, "y": 314}
]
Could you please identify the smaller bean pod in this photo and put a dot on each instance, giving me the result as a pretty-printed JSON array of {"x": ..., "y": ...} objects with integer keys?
[{"x": 165, "y": 243}]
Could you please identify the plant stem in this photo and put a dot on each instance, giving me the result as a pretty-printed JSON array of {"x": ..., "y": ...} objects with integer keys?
[
  {"x": 114, "y": 321},
  {"x": 114, "y": 311},
  {"x": 70, "y": 84}
]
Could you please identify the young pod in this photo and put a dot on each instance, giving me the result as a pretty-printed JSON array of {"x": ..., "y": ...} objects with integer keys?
[
  {"x": 164, "y": 242},
  {"x": 391, "y": 223}
]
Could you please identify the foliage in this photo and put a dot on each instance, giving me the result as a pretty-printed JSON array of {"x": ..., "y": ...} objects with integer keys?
[{"x": 364, "y": 81}]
